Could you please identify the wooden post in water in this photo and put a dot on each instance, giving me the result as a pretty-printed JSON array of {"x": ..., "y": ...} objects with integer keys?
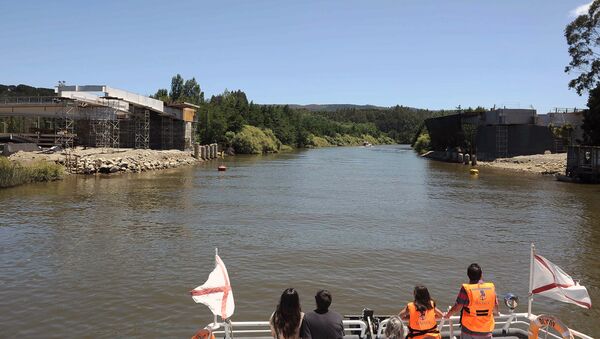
[{"x": 196, "y": 151}]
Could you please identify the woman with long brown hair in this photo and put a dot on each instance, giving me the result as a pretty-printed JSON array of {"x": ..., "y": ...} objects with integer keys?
[
  {"x": 422, "y": 316},
  {"x": 288, "y": 317}
]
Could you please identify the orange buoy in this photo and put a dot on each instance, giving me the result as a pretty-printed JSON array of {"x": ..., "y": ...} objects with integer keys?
[{"x": 222, "y": 168}]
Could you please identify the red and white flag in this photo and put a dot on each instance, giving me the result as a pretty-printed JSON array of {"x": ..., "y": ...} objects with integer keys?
[
  {"x": 551, "y": 281},
  {"x": 216, "y": 292}
]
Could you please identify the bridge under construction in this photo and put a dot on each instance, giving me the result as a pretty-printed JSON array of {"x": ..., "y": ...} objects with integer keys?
[{"x": 98, "y": 116}]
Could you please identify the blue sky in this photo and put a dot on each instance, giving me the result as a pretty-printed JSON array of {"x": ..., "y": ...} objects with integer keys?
[{"x": 421, "y": 53}]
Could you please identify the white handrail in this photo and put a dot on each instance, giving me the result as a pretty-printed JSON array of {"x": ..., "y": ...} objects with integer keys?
[
  {"x": 244, "y": 325},
  {"x": 382, "y": 326},
  {"x": 503, "y": 321}
]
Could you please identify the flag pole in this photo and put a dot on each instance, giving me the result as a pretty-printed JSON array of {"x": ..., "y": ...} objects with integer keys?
[
  {"x": 530, "y": 297},
  {"x": 216, "y": 264}
]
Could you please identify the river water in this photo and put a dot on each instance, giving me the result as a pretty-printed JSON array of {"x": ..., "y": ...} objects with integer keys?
[{"x": 117, "y": 256}]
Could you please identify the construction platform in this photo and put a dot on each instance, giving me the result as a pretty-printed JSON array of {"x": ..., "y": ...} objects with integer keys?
[{"x": 99, "y": 116}]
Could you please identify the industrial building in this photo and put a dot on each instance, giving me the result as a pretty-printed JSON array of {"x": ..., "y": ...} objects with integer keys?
[
  {"x": 498, "y": 133},
  {"x": 98, "y": 116},
  {"x": 565, "y": 116}
]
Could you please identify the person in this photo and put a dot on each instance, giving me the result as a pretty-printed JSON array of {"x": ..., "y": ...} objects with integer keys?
[
  {"x": 394, "y": 328},
  {"x": 422, "y": 315},
  {"x": 478, "y": 303},
  {"x": 323, "y": 323},
  {"x": 288, "y": 317}
]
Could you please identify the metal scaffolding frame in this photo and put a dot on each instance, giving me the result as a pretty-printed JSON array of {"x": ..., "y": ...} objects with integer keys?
[
  {"x": 105, "y": 126},
  {"x": 66, "y": 124},
  {"x": 115, "y": 133},
  {"x": 142, "y": 129}
]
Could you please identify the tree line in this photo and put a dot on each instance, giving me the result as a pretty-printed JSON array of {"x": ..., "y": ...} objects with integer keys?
[{"x": 221, "y": 117}]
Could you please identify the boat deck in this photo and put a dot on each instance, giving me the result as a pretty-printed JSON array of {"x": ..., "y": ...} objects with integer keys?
[{"x": 508, "y": 326}]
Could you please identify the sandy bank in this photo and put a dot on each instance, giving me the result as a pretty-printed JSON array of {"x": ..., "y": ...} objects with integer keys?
[
  {"x": 96, "y": 160},
  {"x": 538, "y": 164}
]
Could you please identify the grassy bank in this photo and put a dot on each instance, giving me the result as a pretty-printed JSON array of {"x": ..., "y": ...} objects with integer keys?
[
  {"x": 254, "y": 140},
  {"x": 14, "y": 173},
  {"x": 348, "y": 140}
]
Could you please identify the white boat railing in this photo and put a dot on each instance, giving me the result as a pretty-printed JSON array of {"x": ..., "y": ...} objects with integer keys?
[
  {"x": 262, "y": 327},
  {"x": 504, "y": 322}
]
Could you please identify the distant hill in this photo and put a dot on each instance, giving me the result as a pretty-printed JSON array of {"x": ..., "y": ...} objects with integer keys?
[
  {"x": 334, "y": 107},
  {"x": 24, "y": 91}
]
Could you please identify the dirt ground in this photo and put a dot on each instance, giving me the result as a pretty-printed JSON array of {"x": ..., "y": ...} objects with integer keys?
[{"x": 539, "y": 163}]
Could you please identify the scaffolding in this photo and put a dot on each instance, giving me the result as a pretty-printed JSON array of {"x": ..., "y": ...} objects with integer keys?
[
  {"x": 142, "y": 129},
  {"x": 105, "y": 126},
  {"x": 65, "y": 127},
  {"x": 502, "y": 141},
  {"x": 99, "y": 116}
]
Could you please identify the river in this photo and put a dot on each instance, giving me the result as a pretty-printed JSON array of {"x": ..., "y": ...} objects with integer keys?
[{"x": 117, "y": 256}]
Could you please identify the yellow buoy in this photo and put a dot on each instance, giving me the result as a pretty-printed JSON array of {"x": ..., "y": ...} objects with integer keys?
[{"x": 474, "y": 171}]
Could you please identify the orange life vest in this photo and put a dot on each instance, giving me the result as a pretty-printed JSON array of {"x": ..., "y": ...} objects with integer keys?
[
  {"x": 204, "y": 334},
  {"x": 478, "y": 316},
  {"x": 422, "y": 325}
]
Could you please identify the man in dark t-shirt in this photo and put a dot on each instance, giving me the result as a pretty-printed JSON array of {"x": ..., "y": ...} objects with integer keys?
[{"x": 322, "y": 323}]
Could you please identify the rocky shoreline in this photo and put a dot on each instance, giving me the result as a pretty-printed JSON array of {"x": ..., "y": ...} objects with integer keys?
[
  {"x": 545, "y": 164},
  {"x": 108, "y": 161}
]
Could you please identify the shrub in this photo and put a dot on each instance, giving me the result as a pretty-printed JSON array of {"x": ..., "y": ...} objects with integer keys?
[
  {"x": 253, "y": 140},
  {"x": 347, "y": 140},
  {"x": 385, "y": 140},
  {"x": 315, "y": 141},
  {"x": 14, "y": 173},
  {"x": 286, "y": 148},
  {"x": 423, "y": 143}
]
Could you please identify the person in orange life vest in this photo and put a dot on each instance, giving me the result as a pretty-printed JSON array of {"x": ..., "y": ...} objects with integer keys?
[
  {"x": 422, "y": 316},
  {"x": 478, "y": 303}
]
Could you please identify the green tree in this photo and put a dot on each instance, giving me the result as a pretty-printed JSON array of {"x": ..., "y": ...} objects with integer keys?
[
  {"x": 583, "y": 38},
  {"x": 191, "y": 92},
  {"x": 162, "y": 94},
  {"x": 591, "y": 118},
  {"x": 176, "y": 87}
]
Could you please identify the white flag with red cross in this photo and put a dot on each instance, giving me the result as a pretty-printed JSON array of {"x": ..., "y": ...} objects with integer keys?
[
  {"x": 551, "y": 281},
  {"x": 216, "y": 292}
]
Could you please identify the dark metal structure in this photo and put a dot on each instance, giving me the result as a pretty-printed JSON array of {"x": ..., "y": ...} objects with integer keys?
[
  {"x": 583, "y": 163},
  {"x": 500, "y": 133}
]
